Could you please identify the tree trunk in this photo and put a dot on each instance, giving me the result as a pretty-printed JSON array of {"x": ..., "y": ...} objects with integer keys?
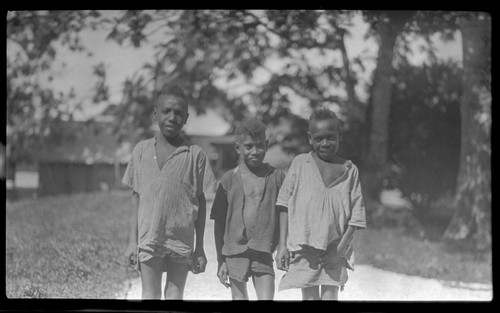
[
  {"x": 472, "y": 218},
  {"x": 356, "y": 111},
  {"x": 389, "y": 25}
]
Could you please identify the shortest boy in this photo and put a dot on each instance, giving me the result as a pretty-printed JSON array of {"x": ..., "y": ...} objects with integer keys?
[{"x": 246, "y": 223}]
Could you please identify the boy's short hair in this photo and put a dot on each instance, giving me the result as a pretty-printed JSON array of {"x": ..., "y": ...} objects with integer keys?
[
  {"x": 252, "y": 127},
  {"x": 175, "y": 91},
  {"x": 322, "y": 114}
]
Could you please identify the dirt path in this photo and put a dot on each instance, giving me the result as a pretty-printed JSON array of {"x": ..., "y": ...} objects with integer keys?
[{"x": 365, "y": 283}]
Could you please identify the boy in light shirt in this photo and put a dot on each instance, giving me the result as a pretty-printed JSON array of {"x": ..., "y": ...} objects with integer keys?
[{"x": 321, "y": 206}]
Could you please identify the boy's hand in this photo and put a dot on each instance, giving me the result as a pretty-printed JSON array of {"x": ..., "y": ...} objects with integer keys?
[
  {"x": 332, "y": 256},
  {"x": 282, "y": 258},
  {"x": 199, "y": 262},
  {"x": 329, "y": 262},
  {"x": 223, "y": 275},
  {"x": 130, "y": 255}
]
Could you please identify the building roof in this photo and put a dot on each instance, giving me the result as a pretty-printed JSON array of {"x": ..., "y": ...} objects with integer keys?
[
  {"x": 209, "y": 143},
  {"x": 93, "y": 143}
]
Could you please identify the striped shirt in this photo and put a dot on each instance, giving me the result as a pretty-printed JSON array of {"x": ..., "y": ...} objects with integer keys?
[
  {"x": 168, "y": 204},
  {"x": 319, "y": 214}
]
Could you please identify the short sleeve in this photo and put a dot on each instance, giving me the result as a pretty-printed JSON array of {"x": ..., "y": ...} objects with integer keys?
[
  {"x": 205, "y": 174},
  {"x": 287, "y": 186},
  {"x": 130, "y": 177},
  {"x": 220, "y": 204},
  {"x": 358, "y": 215},
  {"x": 280, "y": 177}
]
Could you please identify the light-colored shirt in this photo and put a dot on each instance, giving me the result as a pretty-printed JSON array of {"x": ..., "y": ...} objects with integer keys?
[
  {"x": 228, "y": 208},
  {"x": 319, "y": 214},
  {"x": 168, "y": 204}
]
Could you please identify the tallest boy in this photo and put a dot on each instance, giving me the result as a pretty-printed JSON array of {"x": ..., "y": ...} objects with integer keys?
[{"x": 169, "y": 178}]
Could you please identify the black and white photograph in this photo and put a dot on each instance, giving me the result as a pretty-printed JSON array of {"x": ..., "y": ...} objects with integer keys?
[{"x": 255, "y": 155}]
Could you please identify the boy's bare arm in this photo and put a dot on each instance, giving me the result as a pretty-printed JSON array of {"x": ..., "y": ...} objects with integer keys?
[
  {"x": 131, "y": 250},
  {"x": 283, "y": 215},
  {"x": 200, "y": 221},
  {"x": 346, "y": 240},
  {"x": 222, "y": 271},
  {"x": 332, "y": 256},
  {"x": 219, "y": 210},
  {"x": 219, "y": 230},
  {"x": 200, "y": 260},
  {"x": 134, "y": 218},
  {"x": 283, "y": 255}
]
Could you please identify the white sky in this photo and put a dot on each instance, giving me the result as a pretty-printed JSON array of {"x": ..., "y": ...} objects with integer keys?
[{"x": 122, "y": 62}]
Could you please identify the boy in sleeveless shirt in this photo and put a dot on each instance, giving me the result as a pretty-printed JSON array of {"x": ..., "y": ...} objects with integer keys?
[{"x": 246, "y": 223}]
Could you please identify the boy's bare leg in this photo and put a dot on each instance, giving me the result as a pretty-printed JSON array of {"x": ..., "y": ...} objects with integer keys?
[
  {"x": 176, "y": 279},
  {"x": 329, "y": 292},
  {"x": 310, "y": 293},
  {"x": 238, "y": 289},
  {"x": 151, "y": 273},
  {"x": 264, "y": 286}
]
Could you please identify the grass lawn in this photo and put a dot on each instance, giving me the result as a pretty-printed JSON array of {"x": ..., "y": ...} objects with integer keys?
[
  {"x": 66, "y": 247},
  {"x": 393, "y": 250},
  {"x": 69, "y": 247}
]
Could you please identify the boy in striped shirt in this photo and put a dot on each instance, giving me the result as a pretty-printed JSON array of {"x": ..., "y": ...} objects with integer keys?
[{"x": 169, "y": 178}]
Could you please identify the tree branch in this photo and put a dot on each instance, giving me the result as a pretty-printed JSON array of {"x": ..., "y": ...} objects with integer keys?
[
  {"x": 300, "y": 44},
  {"x": 287, "y": 81}
]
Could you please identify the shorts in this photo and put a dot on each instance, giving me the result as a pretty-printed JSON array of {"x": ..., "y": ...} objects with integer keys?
[
  {"x": 249, "y": 263},
  {"x": 305, "y": 270},
  {"x": 145, "y": 255}
]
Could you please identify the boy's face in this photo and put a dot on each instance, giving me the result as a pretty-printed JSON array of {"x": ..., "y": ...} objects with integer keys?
[
  {"x": 324, "y": 136},
  {"x": 171, "y": 113},
  {"x": 252, "y": 150}
]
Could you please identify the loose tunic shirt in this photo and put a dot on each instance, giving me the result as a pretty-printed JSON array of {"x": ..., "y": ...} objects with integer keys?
[
  {"x": 319, "y": 214},
  {"x": 228, "y": 207},
  {"x": 168, "y": 204}
]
